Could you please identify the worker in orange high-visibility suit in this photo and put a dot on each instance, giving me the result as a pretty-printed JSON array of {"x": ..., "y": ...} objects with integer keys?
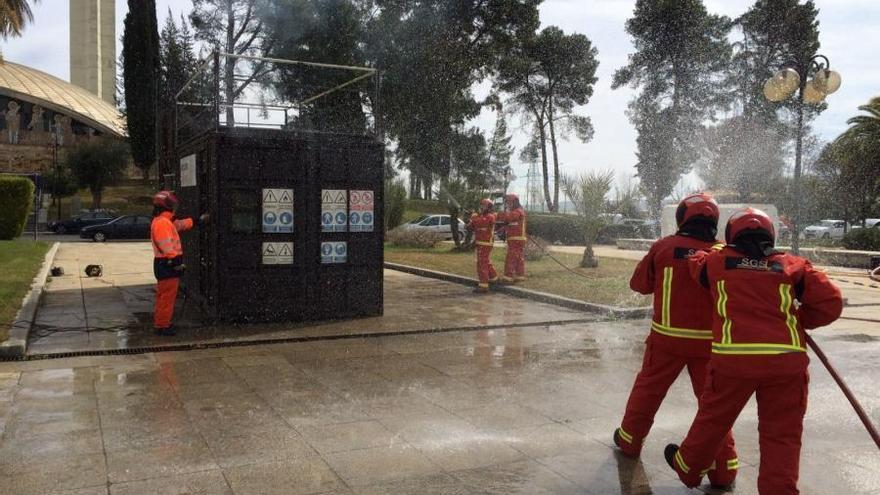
[
  {"x": 483, "y": 226},
  {"x": 168, "y": 264},
  {"x": 514, "y": 218},
  {"x": 763, "y": 300},
  {"x": 681, "y": 330}
]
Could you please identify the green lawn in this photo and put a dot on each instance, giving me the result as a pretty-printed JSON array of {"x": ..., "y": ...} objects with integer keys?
[
  {"x": 608, "y": 284},
  {"x": 19, "y": 263}
]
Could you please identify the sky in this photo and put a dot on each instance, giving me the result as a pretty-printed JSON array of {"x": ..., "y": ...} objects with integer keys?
[{"x": 848, "y": 35}]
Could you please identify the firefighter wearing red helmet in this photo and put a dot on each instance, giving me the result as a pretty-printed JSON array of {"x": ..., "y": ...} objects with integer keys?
[
  {"x": 763, "y": 301},
  {"x": 681, "y": 330},
  {"x": 168, "y": 264},
  {"x": 514, "y": 218},
  {"x": 483, "y": 226}
]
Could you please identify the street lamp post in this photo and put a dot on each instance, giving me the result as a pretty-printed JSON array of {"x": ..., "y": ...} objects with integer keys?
[{"x": 781, "y": 86}]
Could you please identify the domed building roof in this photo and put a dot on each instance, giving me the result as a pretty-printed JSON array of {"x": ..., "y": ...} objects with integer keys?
[{"x": 34, "y": 86}]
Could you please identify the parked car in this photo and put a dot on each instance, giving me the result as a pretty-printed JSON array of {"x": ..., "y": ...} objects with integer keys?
[
  {"x": 826, "y": 229},
  {"x": 441, "y": 224},
  {"x": 124, "y": 227},
  {"x": 870, "y": 223},
  {"x": 75, "y": 224}
]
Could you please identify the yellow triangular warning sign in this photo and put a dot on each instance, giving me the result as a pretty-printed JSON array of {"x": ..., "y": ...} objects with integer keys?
[
  {"x": 286, "y": 196},
  {"x": 326, "y": 198},
  {"x": 270, "y": 196},
  {"x": 285, "y": 250},
  {"x": 340, "y": 197},
  {"x": 269, "y": 250}
]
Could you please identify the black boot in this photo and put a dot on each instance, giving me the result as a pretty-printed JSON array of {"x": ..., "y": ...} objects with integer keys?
[
  {"x": 669, "y": 453},
  {"x": 167, "y": 331}
]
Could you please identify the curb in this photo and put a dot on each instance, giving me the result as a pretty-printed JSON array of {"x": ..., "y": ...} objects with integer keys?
[
  {"x": 611, "y": 311},
  {"x": 16, "y": 345}
]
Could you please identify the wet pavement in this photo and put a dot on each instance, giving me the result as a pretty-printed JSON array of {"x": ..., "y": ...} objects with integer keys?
[{"x": 526, "y": 409}]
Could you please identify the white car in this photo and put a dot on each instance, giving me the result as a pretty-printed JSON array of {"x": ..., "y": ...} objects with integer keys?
[
  {"x": 440, "y": 224},
  {"x": 826, "y": 229},
  {"x": 870, "y": 223}
]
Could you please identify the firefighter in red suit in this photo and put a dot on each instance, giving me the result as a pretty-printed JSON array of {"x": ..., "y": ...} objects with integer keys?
[
  {"x": 483, "y": 225},
  {"x": 168, "y": 264},
  {"x": 763, "y": 301},
  {"x": 514, "y": 218},
  {"x": 681, "y": 334}
]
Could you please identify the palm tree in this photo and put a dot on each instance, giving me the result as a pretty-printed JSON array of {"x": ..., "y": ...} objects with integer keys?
[
  {"x": 856, "y": 153},
  {"x": 14, "y": 15},
  {"x": 587, "y": 192}
]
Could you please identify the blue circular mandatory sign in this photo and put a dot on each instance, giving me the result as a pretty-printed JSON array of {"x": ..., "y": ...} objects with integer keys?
[
  {"x": 286, "y": 218},
  {"x": 327, "y": 219},
  {"x": 354, "y": 218},
  {"x": 340, "y": 249},
  {"x": 341, "y": 218},
  {"x": 269, "y": 218},
  {"x": 327, "y": 249},
  {"x": 368, "y": 218}
]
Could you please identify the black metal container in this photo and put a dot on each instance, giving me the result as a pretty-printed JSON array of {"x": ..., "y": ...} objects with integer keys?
[{"x": 264, "y": 255}]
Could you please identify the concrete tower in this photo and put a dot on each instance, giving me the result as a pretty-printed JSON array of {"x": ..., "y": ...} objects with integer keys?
[{"x": 93, "y": 47}]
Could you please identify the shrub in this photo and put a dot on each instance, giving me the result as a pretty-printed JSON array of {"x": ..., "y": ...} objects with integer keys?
[
  {"x": 414, "y": 238},
  {"x": 610, "y": 233},
  {"x": 16, "y": 198},
  {"x": 862, "y": 239},
  {"x": 556, "y": 229},
  {"x": 395, "y": 204},
  {"x": 535, "y": 249}
]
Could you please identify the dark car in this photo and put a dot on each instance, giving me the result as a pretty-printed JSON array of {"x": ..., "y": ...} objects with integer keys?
[
  {"x": 125, "y": 227},
  {"x": 77, "y": 223}
]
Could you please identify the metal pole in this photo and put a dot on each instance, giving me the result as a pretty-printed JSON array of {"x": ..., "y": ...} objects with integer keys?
[
  {"x": 796, "y": 184},
  {"x": 217, "y": 90}
]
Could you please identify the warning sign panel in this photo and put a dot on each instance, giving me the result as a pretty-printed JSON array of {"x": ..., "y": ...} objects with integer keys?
[
  {"x": 334, "y": 215},
  {"x": 277, "y": 211},
  {"x": 334, "y": 252},
  {"x": 277, "y": 253},
  {"x": 188, "y": 171},
  {"x": 361, "y": 218}
]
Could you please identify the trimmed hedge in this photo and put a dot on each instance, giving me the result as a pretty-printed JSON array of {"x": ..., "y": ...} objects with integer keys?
[
  {"x": 16, "y": 198},
  {"x": 556, "y": 229},
  {"x": 862, "y": 239},
  {"x": 610, "y": 233}
]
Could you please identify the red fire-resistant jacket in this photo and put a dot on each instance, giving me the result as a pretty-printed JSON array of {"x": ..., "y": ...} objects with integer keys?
[
  {"x": 516, "y": 224},
  {"x": 682, "y": 320},
  {"x": 758, "y": 329},
  {"x": 484, "y": 228}
]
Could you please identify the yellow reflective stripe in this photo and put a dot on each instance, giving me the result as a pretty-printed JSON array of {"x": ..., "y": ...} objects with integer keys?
[
  {"x": 482, "y": 243},
  {"x": 718, "y": 247},
  {"x": 733, "y": 464},
  {"x": 516, "y": 239},
  {"x": 686, "y": 333},
  {"x": 790, "y": 319},
  {"x": 624, "y": 435},
  {"x": 667, "y": 295},
  {"x": 678, "y": 460},
  {"x": 761, "y": 348},
  {"x": 164, "y": 241},
  {"x": 721, "y": 307}
]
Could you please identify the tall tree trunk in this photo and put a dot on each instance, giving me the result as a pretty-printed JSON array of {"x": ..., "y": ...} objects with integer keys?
[
  {"x": 413, "y": 186},
  {"x": 555, "y": 156},
  {"x": 542, "y": 135},
  {"x": 97, "y": 196},
  {"x": 229, "y": 76}
]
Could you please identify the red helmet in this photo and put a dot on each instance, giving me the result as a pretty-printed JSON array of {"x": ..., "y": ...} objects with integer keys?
[
  {"x": 165, "y": 199},
  {"x": 748, "y": 220},
  {"x": 696, "y": 205},
  {"x": 510, "y": 197},
  {"x": 486, "y": 202}
]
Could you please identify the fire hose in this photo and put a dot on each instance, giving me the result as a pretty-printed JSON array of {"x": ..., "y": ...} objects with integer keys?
[{"x": 866, "y": 421}]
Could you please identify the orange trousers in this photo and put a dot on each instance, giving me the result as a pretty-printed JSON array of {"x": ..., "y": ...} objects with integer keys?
[
  {"x": 515, "y": 262},
  {"x": 660, "y": 369},
  {"x": 166, "y": 295},
  {"x": 485, "y": 270},
  {"x": 782, "y": 403}
]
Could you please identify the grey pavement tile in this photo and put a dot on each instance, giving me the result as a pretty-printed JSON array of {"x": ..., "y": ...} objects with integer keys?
[
  {"x": 547, "y": 440},
  {"x": 63, "y": 473},
  {"x": 160, "y": 461},
  {"x": 239, "y": 446},
  {"x": 458, "y": 453},
  {"x": 348, "y": 436},
  {"x": 521, "y": 477},
  {"x": 438, "y": 484},
  {"x": 371, "y": 466},
  {"x": 93, "y": 490},
  {"x": 51, "y": 422},
  {"x": 36, "y": 449},
  {"x": 309, "y": 475},
  {"x": 202, "y": 483},
  {"x": 428, "y": 428},
  {"x": 503, "y": 415}
]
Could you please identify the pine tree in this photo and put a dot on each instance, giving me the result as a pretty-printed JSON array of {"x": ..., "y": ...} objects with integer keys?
[
  {"x": 681, "y": 54},
  {"x": 500, "y": 151}
]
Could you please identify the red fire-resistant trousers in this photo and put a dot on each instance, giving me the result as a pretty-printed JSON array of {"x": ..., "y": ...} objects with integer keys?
[
  {"x": 782, "y": 403},
  {"x": 515, "y": 262},
  {"x": 166, "y": 295},
  {"x": 485, "y": 270},
  {"x": 660, "y": 368}
]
